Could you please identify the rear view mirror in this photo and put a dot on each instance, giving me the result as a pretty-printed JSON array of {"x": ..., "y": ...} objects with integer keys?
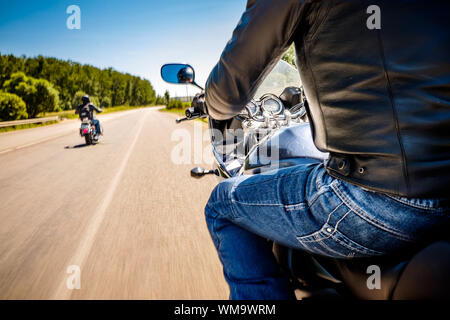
[{"x": 178, "y": 73}]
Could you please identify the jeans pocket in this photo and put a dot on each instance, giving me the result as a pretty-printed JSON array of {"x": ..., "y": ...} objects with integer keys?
[{"x": 330, "y": 242}]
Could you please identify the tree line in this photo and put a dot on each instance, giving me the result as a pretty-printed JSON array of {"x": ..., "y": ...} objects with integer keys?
[{"x": 29, "y": 86}]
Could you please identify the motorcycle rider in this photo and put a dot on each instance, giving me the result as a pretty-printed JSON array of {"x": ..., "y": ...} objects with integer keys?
[
  {"x": 185, "y": 75},
  {"x": 379, "y": 103},
  {"x": 86, "y": 110}
]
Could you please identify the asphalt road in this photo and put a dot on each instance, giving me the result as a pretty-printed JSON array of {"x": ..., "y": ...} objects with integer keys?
[{"x": 121, "y": 211}]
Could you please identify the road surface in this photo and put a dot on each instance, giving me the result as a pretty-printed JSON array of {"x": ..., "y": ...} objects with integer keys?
[{"x": 122, "y": 213}]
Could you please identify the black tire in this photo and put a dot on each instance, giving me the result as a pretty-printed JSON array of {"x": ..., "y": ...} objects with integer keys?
[{"x": 88, "y": 139}]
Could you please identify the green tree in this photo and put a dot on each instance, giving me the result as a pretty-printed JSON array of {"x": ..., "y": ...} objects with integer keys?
[
  {"x": 12, "y": 107},
  {"x": 176, "y": 104},
  {"x": 167, "y": 97},
  {"x": 105, "y": 101},
  {"x": 38, "y": 94},
  {"x": 76, "y": 100},
  {"x": 69, "y": 77},
  {"x": 289, "y": 55},
  {"x": 47, "y": 98},
  {"x": 22, "y": 86},
  {"x": 95, "y": 100},
  {"x": 159, "y": 100},
  {"x": 9, "y": 64}
]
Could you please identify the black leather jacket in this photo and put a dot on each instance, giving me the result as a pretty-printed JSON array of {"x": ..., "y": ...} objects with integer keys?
[
  {"x": 87, "y": 110},
  {"x": 379, "y": 100}
]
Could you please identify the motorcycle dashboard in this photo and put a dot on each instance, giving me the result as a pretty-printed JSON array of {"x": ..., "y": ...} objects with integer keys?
[
  {"x": 268, "y": 103},
  {"x": 271, "y": 104},
  {"x": 252, "y": 108}
]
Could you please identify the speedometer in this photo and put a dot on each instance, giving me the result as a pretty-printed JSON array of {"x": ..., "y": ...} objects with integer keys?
[
  {"x": 272, "y": 105},
  {"x": 252, "y": 108}
]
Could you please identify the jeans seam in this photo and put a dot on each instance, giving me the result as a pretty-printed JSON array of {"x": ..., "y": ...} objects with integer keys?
[
  {"x": 233, "y": 191},
  {"x": 291, "y": 207},
  {"x": 416, "y": 206},
  {"x": 308, "y": 248},
  {"x": 211, "y": 207},
  {"x": 313, "y": 236},
  {"x": 268, "y": 180},
  {"x": 340, "y": 220},
  {"x": 233, "y": 209},
  {"x": 259, "y": 204},
  {"x": 358, "y": 211},
  {"x": 319, "y": 178},
  {"x": 320, "y": 243},
  {"x": 330, "y": 235},
  {"x": 214, "y": 233},
  {"x": 321, "y": 229},
  {"x": 320, "y": 192},
  {"x": 358, "y": 247},
  {"x": 334, "y": 210}
]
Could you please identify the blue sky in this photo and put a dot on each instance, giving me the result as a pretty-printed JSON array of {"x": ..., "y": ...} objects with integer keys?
[{"x": 135, "y": 36}]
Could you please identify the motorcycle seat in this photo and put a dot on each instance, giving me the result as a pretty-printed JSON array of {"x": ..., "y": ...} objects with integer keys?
[{"x": 422, "y": 275}]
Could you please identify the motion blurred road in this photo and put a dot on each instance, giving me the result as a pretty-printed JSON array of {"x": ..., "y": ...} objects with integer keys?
[{"x": 122, "y": 211}]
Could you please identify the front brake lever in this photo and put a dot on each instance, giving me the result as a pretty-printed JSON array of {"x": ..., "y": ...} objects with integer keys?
[
  {"x": 181, "y": 119},
  {"x": 191, "y": 118}
]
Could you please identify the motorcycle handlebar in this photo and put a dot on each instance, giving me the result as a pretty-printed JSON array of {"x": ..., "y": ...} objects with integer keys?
[
  {"x": 192, "y": 114},
  {"x": 191, "y": 118},
  {"x": 181, "y": 120}
]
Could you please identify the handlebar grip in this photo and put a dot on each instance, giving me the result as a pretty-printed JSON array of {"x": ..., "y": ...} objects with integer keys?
[{"x": 192, "y": 114}]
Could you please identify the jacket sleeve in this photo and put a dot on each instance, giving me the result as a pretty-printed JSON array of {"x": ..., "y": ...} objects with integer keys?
[
  {"x": 263, "y": 34},
  {"x": 96, "y": 109}
]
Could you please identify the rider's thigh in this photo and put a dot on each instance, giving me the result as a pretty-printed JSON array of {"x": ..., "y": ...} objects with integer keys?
[{"x": 276, "y": 205}]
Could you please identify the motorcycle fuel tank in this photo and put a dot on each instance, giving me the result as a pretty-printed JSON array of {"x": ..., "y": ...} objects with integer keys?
[{"x": 286, "y": 147}]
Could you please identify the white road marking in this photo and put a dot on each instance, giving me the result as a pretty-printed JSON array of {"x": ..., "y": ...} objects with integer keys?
[
  {"x": 5, "y": 151},
  {"x": 40, "y": 141},
  {"x": 88, "y": 239}
]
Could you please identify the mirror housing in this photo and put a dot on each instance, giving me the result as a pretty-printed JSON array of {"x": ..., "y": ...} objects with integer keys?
[
  {"x": 179, "y": 73},
  {"x": 199, "y": 172}
]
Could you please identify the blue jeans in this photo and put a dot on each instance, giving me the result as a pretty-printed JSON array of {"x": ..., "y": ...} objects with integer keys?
[
  {"x": 305, "y": 208},
  {"x": 96, "y": 123}
]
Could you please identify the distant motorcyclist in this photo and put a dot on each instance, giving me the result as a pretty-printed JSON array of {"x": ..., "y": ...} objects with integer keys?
[{"x": 86, "y": 110}]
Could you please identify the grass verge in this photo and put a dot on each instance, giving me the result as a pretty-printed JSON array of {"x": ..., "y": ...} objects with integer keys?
[
  {"x": 26, "y": 126},
  {"x": 70, "y": 114}
]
